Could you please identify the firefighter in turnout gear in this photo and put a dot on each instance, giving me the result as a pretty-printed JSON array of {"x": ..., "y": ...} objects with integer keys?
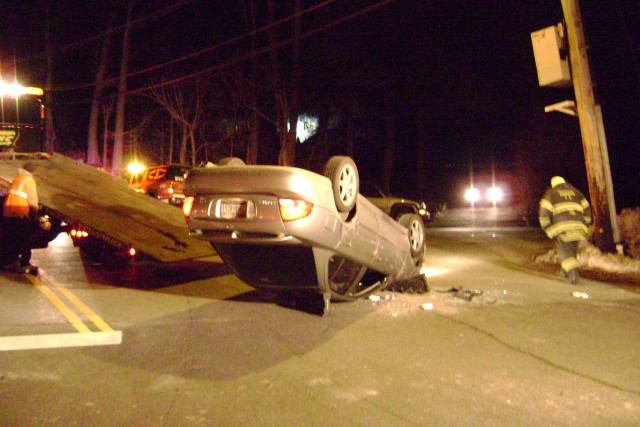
[
  {"x": 19, "y": 219},
  {"x": 565, "y": 215}
]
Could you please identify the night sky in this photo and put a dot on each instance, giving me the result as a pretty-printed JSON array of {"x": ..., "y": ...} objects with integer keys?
[{"x": 468, "y": 64}]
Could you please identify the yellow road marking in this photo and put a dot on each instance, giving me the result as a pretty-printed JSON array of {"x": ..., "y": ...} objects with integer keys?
[
  {"x": 73, "y": 299},
  {"x": 85, "y": 337},
  {"x": 61, "y": 306}
]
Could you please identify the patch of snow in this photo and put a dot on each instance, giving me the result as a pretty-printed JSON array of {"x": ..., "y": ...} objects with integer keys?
[{"x": 591, "y": 258}]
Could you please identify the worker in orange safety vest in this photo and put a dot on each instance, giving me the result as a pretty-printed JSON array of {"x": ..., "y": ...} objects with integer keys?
[{"x": 19, "y": 219}]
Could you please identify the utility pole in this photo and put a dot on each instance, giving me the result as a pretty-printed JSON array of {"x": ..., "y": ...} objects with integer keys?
[{"x": 591, "y": 144}]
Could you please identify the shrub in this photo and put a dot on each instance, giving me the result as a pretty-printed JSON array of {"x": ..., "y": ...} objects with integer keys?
[{"x": 629, "y": 226}]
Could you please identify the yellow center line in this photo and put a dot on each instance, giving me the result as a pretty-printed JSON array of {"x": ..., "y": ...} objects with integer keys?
[
  {"x": 73, "y": 299},
  {"x": 61, "y": 306}
]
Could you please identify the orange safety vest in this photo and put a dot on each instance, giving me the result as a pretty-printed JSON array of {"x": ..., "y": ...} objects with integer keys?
[{"x": 16, "y": 204}]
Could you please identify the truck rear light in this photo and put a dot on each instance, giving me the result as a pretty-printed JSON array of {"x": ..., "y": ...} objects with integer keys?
[
  {"x": 291, "y": 209},
  {"x": 78, "y": 234}
]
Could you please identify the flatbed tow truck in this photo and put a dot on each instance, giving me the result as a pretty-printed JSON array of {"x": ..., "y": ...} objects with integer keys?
[{"x": 102, "y": 214}]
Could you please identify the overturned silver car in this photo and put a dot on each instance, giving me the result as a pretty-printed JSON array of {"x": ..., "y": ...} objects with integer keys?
[{"x": 293, "y": 230}]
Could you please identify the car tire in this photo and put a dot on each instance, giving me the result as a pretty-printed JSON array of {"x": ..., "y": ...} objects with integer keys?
[
  {"x": 345, "y": 182},
  {"x": 231, "y": 161},
  {"x": 416, "y": 230}
]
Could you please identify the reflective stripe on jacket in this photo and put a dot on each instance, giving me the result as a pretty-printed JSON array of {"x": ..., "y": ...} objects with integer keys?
[
  {"x": 564, "y": 213},
  {"x": 22, "y": 199}
]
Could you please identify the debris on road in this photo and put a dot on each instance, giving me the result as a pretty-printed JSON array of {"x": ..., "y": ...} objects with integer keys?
[
  {"x": 414, "y": 285},
  {"x": 582, "y": 295},
  {"x": 460, "y": 292}
]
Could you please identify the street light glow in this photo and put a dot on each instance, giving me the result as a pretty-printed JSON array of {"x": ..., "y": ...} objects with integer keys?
[{"x": 135, "y": 168}]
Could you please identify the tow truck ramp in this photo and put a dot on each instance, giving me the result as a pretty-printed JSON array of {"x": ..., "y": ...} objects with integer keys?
[{"x": 103, "y": 205}]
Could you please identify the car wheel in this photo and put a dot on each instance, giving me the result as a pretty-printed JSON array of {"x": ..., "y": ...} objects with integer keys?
[
  {"x": 231, "y": 161},
  {"x": 415, "y": 228},
  {"x": 345, "y": 183}
]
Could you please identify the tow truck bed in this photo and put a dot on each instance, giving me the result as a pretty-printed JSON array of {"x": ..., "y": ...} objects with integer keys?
[{"x": 83, "y": 196}]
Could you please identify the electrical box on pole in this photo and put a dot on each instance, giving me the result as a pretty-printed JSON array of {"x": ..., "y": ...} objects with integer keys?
[{"x": 551, "y": 57}]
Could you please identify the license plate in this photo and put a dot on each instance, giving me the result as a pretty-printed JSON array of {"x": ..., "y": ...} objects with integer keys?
[{"x": 234, "y": 209}]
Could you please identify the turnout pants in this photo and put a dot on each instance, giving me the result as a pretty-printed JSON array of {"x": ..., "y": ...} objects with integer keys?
[{"x": 567, "y": 252}]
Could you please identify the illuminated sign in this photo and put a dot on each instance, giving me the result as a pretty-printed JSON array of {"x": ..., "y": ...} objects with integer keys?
[{"x": 7, "y": 137}]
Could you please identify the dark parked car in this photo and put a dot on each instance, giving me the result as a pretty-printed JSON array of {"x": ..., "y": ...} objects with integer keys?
[
  {"x": 294, "y": 230},
  {"x": 395, "y": 207}
]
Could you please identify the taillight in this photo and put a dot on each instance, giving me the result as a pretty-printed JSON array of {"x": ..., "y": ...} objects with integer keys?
[
  {"x": 291, "y": 209},
  {"x": 187, "y": 205},
  {"x": 78, "y": 234}
]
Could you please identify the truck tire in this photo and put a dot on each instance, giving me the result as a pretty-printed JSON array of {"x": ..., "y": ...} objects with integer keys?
[{"x": 345, "y": 182}]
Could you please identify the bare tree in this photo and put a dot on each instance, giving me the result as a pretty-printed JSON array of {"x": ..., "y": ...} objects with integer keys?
[
  {"x": 49, "y": 129},
  {"x": 252, "y": 141},
  {"x": 389, "y": 147},
  {"x": 286, "y": 93},
  {"x": 421, "y": 149},
  {"x": 107, "y": 110},
  {"x": 118, "y": 143},
  {"x": 92, "y": 143},
  {"x": 185, "y": 106}
]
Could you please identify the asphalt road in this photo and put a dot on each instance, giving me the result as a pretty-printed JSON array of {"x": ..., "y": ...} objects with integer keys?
[{"x": 190, "y": 344}]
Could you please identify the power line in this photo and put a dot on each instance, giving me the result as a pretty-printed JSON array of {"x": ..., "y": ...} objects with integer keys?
[
  {"x": 71, "y": 46},
  {"x": 249, "y": 55},
  {"x": 205, "y": 50},
  {"x": 233, "y": 40}
]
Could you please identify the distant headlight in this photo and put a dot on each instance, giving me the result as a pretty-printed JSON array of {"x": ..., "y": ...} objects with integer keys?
[
  {"x": 472, "y": 195},
  {"x": 494, "y": 194}
]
